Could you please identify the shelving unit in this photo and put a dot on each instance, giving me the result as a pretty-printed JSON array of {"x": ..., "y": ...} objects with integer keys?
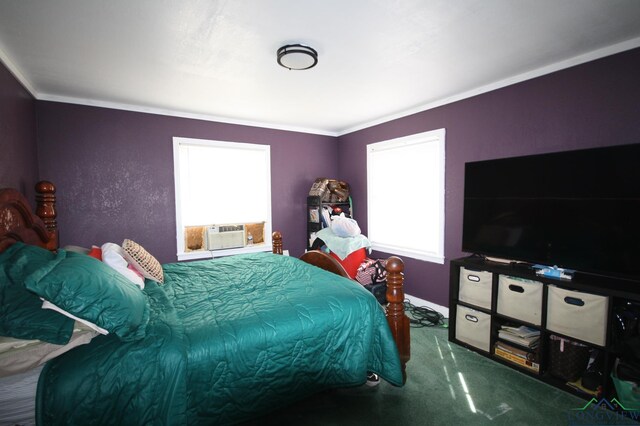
[
  {"x": 314, "y": 214},
  {"x": 486, "y": 295}
]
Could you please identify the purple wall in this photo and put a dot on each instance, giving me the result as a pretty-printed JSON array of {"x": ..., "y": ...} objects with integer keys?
[
  {"x": 116, "y": 167},
  {"x": 18, "y": 158},
  {"x": 590, "y": 105},
  {"x": 114, "y": 173}
]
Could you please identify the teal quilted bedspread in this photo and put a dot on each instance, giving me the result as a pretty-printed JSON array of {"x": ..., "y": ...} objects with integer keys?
[{"x": 228, "y": 339}]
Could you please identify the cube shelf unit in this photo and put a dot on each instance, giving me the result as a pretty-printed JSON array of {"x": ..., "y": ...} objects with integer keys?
[{"x": 576, "y": 315}]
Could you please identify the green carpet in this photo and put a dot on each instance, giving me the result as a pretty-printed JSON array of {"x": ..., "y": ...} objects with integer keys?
[{"x": 447, "y": 385}]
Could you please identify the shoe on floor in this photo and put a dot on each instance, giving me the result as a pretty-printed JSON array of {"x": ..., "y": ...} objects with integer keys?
[{"x": 373, "y": 379}]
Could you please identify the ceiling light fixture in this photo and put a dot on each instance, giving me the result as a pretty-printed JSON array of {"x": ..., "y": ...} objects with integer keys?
[{"x": 297, "y": 57}]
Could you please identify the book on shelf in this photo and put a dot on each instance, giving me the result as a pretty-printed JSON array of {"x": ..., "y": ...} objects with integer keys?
[
  {"x": 530, "y": 355},
  {"x": 518, "y": 356},
  {"x": 521, "y": 331},
  {"x": 523, "y": 335}
]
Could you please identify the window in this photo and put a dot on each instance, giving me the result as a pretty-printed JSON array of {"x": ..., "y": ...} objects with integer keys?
[
  {"x": 220, "y": 183},
  {"x": 405, "y": 192}
]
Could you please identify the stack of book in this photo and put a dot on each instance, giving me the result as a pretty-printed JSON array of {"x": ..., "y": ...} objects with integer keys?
[
  {"x": 523, "y": 336},
  {"x": 525, "y": 354}
]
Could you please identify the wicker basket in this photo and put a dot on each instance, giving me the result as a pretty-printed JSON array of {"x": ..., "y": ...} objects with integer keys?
[{"x": 569, "y": 359}]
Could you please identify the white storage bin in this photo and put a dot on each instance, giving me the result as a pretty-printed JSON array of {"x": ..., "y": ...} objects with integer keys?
[
  {"x": 473, "y": 327},
  {"x": 577, "y": 314},
  {"x": 520, "y": 299},
  {"x": 475, "y": 287}
]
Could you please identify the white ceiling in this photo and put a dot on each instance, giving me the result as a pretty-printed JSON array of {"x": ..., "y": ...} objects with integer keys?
[{"x": 378, "y": 59}]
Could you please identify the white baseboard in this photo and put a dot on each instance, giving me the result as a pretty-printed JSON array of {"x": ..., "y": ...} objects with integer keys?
[{"x": 420, "y": 302}]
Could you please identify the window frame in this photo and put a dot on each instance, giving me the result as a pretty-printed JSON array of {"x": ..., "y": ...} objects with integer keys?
[
  {"x": 433, "y": 136},
  {"x": 205, "y": 254}
]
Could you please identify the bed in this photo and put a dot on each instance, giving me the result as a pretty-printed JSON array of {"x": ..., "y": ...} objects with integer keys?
[{"x": 218, "y": 341}]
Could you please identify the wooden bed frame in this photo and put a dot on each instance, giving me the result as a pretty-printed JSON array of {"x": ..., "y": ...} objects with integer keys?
[{"x": 18, "y": 223}]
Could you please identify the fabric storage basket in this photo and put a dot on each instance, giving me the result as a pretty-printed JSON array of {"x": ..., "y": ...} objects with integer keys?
[
  {"x": 520, "y": 298},
  {"x": 577, "y": 314},
  {"x": 475, "y": 287},
  {"x": 473, "y": 327},
  {"x": 569, "y": 359}
]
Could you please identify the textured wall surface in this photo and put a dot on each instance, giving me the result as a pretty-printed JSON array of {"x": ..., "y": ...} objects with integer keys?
[
  {"x": 18, "y": 155},
  {"x": 590, "y": 105},
  {"x": 116, "y": 167},
  {"x": 114, "y": 173}
]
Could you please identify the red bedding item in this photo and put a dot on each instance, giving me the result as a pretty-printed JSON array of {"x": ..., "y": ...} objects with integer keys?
[
  {"x": 96, "y": 252},
  {"x": 351, "y": 262}
]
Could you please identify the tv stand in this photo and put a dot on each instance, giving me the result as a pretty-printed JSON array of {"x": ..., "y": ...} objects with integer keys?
[{"x": 579, "y": 316}]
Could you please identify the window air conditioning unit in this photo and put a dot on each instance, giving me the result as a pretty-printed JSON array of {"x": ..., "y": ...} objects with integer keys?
[{"x": 225, "y": 236}]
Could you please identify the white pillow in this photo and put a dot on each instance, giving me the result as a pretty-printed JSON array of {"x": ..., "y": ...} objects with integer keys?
[
  {"x": 113, "y": 255},
  {"x": 48, "y": 305}
]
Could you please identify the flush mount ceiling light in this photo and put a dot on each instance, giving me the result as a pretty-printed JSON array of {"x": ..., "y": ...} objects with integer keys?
[{"x": 297, "y": 57}]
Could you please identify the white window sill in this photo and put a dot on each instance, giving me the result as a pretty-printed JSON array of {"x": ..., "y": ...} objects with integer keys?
[
  {"x": 210, "y": 254},
  {"x": 405, "y": 252}
]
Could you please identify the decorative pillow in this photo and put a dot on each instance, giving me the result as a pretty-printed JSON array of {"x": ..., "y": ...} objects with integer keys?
[
  {"x": 95, "y": 252},
  {"x": 352, "y": 262},
  {"x": 113, "y": 255},
  {"x": 146, "y": 264},
  {"x": 90, "y": 290},
  {"x": 135, "y": 271},
  {"x": 21, "y": 315}
]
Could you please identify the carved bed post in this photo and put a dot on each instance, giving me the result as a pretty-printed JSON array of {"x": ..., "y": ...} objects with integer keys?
[
  {"x": 398, "y": 321},
  {"x": 276, "y": 240},
  {"x": 46, "y": 210}
]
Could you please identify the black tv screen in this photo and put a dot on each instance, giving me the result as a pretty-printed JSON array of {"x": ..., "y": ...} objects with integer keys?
[{"x": 576, "y": 210}]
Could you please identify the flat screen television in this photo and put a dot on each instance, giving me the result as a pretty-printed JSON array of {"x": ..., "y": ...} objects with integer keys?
[{"x": 576, "y": 210}]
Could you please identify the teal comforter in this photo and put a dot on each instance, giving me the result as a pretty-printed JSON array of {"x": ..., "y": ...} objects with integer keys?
[{"x": 228, "y": 340}]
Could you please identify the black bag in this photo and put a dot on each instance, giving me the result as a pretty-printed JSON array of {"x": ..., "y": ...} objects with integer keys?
[
  {"x": 379, "y": 291},
  {"x": 626, "y": 340}
]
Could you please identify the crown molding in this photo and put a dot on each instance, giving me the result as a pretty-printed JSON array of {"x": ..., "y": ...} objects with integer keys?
[
  {"x": 181, "y": 114},
  {"x": 558, "y": 66},
  {"x": 15, "y": 71},
  {"x": 564, "y": 64}
]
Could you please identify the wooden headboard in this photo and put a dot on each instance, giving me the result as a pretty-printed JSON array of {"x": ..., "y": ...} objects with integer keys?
[
  {"x": 19, "y": 223},
  {"x": 324, "y": 261}
]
